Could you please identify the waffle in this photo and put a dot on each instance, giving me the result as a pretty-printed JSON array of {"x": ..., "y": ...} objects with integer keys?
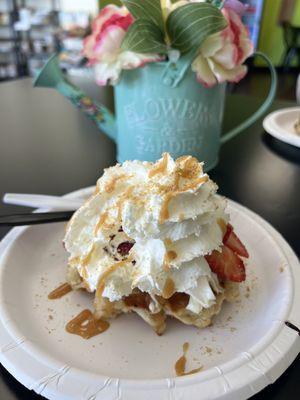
[{"x": 175, "y": 306}]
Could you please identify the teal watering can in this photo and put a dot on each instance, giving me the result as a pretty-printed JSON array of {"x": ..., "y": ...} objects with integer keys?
[{"x": 159, "y": 108}]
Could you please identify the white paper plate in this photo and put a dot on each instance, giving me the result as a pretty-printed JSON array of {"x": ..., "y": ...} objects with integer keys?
[
  {"x": 280, "y": 124},
  {"x": 248, "y": 347}
]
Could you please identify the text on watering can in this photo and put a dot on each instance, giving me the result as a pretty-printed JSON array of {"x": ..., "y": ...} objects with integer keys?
[
  {"x": 169, "y": 124},
  {"x": 160, "y": 108}
]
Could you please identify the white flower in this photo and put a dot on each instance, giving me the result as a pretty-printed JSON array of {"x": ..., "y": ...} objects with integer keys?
[
  {"x": 103, "y": 46},
  {"x": 221, "y": 56}
]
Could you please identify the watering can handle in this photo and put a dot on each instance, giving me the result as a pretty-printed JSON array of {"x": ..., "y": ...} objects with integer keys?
[{"x": 262, "y": 109}]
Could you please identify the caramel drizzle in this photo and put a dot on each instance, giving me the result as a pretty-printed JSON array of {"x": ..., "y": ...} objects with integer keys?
[
  {"x": 110, "y": 186},
  {"x": 190, "y": 169},
  {"x": 74, "y": 260},
  {"x": 86, "y": 325},
  {"x": 86, "y": 261},
  {"x": 101, "y": 222},
  {"x": 164, "y": 211},
  {"x": 159, "y": 167},
  {"x": 183, "y": 159},
  {"x": 181, "y": 363},
  {"x": 88, "y": 257},
  {"x": 169, "y": 256},
  {"x": 59, "y": 292},
  {"x": 192, "y": 185},
  {"x": 169, "y": 289},
  {"x": 110, "y": 270},
  {"x": 83, "y": 271}
]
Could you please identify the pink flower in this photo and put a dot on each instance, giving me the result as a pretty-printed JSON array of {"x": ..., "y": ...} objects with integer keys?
[
  {"x": 221, "y": 55},
  {"x": 236, "y": 6},
  {"x": 103, "y": 46}
]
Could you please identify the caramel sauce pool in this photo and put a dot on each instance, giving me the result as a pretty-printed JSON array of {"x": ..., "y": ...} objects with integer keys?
[
  {"x": 86, "y": 325},
  {"x": 60, "y": 291},
  {"x": 181, "y": 363}
]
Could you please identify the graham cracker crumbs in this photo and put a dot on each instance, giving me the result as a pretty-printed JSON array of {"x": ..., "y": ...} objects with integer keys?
[
  {"x": 232, "y": 329},
  {"x": 281, "y": 269},
  {"x": 50, "y": 316},
  {"x": 248, "y": 290},
  {"x": 208, "y": 349}
]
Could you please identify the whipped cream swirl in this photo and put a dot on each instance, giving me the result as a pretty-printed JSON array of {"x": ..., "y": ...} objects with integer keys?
[{"x": 149, "y": 226}]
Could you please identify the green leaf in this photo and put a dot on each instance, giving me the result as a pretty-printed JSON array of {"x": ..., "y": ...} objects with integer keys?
[
  {"x": 144, "y": 37},
  {"x": 146, "y": 9},
  {"x": 192, "y": 23}
]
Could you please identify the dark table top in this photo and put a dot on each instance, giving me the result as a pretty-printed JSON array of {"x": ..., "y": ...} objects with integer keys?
[{"x": 46, "y": 146}]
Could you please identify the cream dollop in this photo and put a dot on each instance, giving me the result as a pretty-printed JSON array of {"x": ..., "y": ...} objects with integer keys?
[{"x": 167, "y": 215}]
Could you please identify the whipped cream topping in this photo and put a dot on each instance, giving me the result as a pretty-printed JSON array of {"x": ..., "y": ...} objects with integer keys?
[{"x": 148, "y": 225}]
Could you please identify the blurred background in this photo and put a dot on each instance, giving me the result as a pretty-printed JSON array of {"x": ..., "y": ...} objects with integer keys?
[{"x": 31, "y": 30}]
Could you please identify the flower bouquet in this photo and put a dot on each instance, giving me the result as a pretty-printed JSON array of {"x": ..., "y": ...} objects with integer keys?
[
  {"x": 160, "y": 107},
  {"x": 207, "y": 34}
]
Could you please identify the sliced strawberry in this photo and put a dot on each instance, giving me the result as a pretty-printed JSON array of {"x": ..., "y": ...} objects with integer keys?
[
  {"x": 229, "y": 229},
  {"x": 227, "y": 265},
  {"x": 233, "y": 242}
]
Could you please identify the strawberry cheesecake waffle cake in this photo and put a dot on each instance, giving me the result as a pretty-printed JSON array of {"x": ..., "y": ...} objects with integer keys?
[{"x": 155, "y": 239}]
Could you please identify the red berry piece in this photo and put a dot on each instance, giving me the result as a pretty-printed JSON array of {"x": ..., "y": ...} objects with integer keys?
[
  {"x": 124, "y": 248},
  {"x": 233, "y": 242},
  {"x": 227, "y": 265}
]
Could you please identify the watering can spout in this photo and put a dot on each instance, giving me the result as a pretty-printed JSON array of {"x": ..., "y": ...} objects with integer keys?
[{"x": 51, "y": 76}]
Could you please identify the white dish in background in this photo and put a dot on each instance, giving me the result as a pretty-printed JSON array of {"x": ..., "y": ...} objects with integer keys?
[
  {"x": 280, "y": 124},
  {"x": 248, "y": 347}
]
